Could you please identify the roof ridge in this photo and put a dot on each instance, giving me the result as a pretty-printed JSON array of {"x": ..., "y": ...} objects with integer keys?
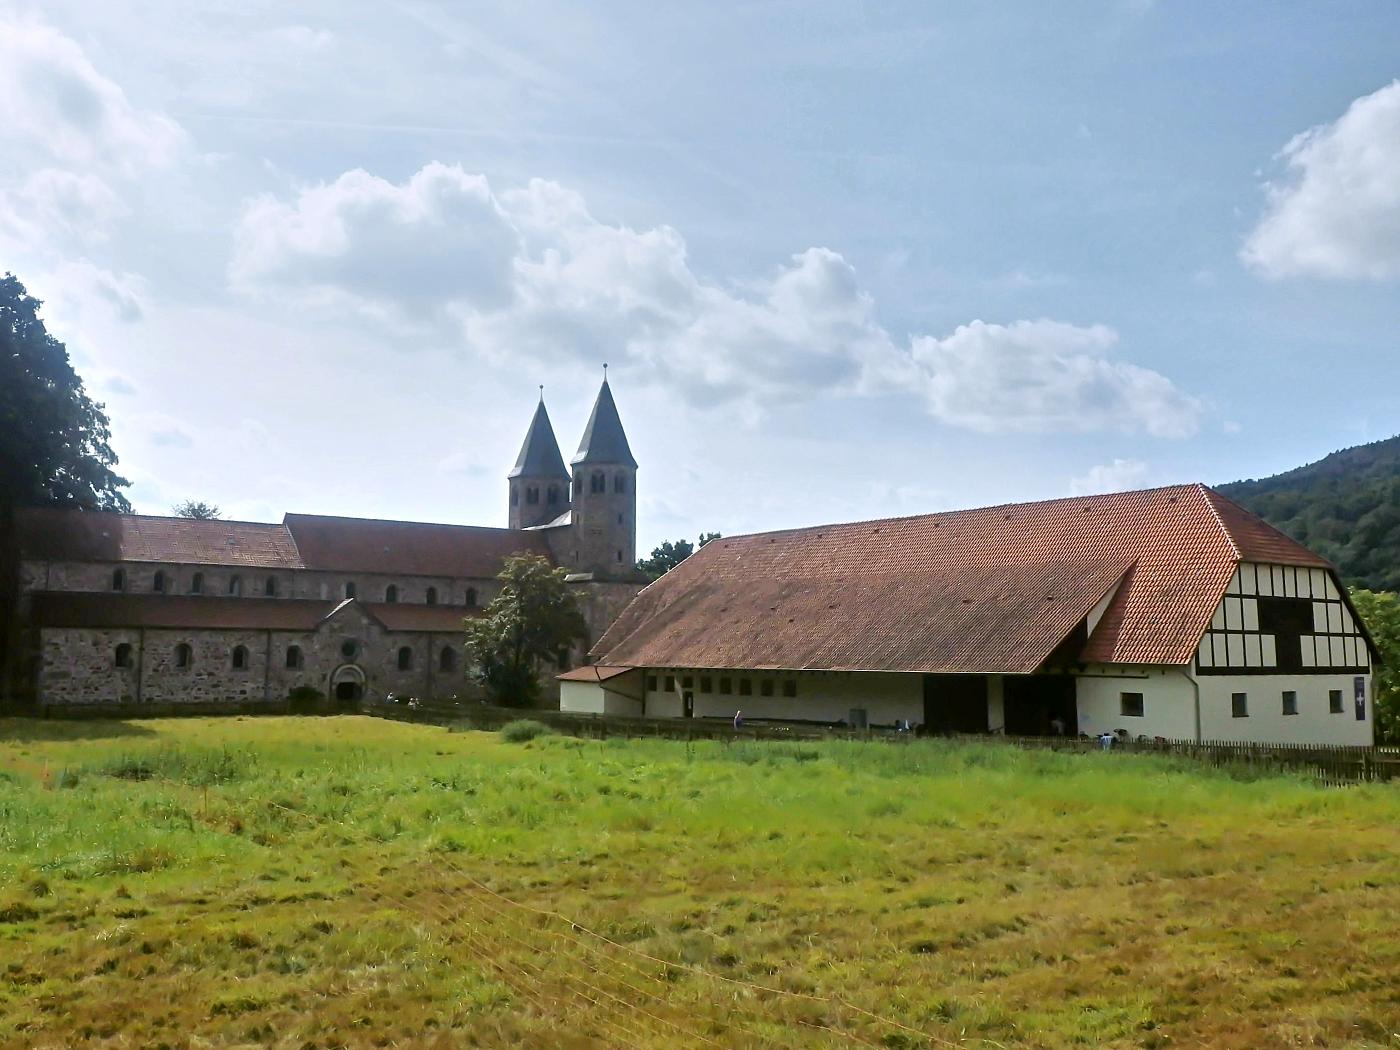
[
  {"x": 1206, "y": 492},
  {"x": 960, "y": 510},
  {"x": 393, "y": 521},
  {"x": 148, "y": 517}
]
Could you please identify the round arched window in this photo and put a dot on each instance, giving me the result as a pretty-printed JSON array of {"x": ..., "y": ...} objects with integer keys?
[{"x": 349, "y": 648}]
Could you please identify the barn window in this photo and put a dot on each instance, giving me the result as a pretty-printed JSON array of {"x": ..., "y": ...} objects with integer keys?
[
  {"x": 349, "y": 589},
  {"x": 553, "y": 497},
  {"x": 471, "y": 597},
  {"x": 118, "y": 579},
  {"x": 1334, "y": 701},
  {"x": 789, "y": 687},
  {"x": 726, "y": 686},
  {"x": 447, "y": 659},
  {"x": 240, "y": 658},
  {"x": 1239, "y": 705},
  {"x": 122, "y": 656},
  {"x": 432, "y": 595},
  {"x": 184, "y": 655},
  {"x": 707, "y": 684},
  {"x": 765, "y": 687},
  {"x": 670, "y": 683},
  {"x": 391, "y": 594},
  {"x": 270, "y": 587},
  {"x": 651, "y": 683},
  {"x": 405, "y": 658},
  {"x": 1290, "y": 702},
  {"x": 687, "y": 682},
  {"x": 293, "y": 657},
  {"x": 620, "y": 483},
  {"x": 1130, "y": 705},
  {"x": 235, "y": 586},
  {"x": 746, "y": 687},
  {"x": 158, "y": 582},
  {"x": 197, "y": 583},
  {"x": 598, "y": 482}
]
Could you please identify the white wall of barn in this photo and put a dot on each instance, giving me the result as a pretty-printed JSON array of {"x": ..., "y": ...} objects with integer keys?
[{"x": 821, "y": 696}]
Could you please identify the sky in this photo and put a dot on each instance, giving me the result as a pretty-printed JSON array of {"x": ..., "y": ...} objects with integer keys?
[{"x": 843, "y": 260}]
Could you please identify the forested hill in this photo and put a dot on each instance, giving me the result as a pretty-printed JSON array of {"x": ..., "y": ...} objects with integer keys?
[{"x": 1346, "y": 507}]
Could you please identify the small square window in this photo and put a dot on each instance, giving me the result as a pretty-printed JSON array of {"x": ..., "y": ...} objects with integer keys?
[
  {"x": 651, "y": 683},
  {"x": 745, "y": 687},
  {"x": 765, "y": 687},
  {"x": 790, "y": 687},
  {"x": 707, "y": 684},
  {"x": 1334, "y": 702},
  {"x": 726, "y": 686},
  {"x": 1239, "y": 705},
  {"x": 687, "y": 682},
  {"x": 1130, "y": 705},
  {"x": 670, "y": 683},
  {"x": 1290, "y": 702}
]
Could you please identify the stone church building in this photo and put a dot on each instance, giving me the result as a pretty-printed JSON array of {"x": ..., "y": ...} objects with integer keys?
[{"x": 136, "y": 609}]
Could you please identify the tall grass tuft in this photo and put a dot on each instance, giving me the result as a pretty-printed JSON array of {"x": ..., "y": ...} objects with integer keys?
[{"x": 523, "y": 729}]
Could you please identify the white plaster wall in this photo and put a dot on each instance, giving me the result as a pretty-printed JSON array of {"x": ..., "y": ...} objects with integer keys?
[
  {"x": 826, "y": 696},
  {"x": 1313, "y": 724},
  {"x": 581, "y": 697},
  {"x": 1168, "y": 702}
]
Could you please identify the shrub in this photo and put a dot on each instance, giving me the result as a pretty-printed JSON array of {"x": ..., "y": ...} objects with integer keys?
[{"x": 523, "y": 729}]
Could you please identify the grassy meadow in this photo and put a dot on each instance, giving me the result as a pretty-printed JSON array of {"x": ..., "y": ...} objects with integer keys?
[{"x": 317, "y": 883}]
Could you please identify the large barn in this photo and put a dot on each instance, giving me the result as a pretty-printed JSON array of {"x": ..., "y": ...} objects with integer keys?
[{"x": 1169, "y": 612}]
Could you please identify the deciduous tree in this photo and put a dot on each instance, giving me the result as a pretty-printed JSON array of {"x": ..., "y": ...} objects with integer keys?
[
  {"x": 527, "y": 624},
  {"x": 667, "y": 556},
  {"x": 1380, "y": 611},
  {"x": 194, "y": 508}
]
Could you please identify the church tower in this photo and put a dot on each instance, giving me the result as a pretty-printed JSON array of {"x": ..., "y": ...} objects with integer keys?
[
  {"x": 539, "y": 482},
  {"x": 604, "y": 539}
]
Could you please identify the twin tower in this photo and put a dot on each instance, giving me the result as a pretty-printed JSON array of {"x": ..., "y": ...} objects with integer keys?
[{"x": 589, "y": 518}]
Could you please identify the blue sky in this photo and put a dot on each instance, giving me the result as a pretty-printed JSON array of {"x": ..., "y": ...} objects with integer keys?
[{"x": 844, "y": 260}]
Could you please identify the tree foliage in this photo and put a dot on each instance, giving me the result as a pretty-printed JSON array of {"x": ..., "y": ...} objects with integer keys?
[
  {"x": 1380, "y": 611},
  {"x": 195, "y": 508},
  {"x": 527, "y": 624},
  {"x": 1346, "y": 507},
  {"x": 54, "y": 439},
  {"x": 670, "y": 554}
]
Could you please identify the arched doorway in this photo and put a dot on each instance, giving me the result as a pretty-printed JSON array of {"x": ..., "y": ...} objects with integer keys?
[{"x": 347, "y": 685}]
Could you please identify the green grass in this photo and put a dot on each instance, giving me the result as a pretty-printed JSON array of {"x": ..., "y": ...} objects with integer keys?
[{"x": 354, "y": 882}]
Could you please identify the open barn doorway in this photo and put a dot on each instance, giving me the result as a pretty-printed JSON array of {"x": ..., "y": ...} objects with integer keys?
[
  {"x": 347, "y": 686},
  {"x": 1040, "y": 705},
  {"x": 955, "y": 703}
]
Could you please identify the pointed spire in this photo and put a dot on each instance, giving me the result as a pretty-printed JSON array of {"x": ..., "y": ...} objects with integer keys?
[
  {"x": 604, "y": 440},
  {"x": 539, "y": 456}
]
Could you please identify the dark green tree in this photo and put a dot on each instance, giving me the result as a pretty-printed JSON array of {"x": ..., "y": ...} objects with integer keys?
[
  {"x": 54, "y": 439},
  {"x": 1380, "y": 611},
  {"x": 197, "y": 508},
  {"x": 54, "y": 445},
  {"x": 667, "y": 556},
  {"x": 533, "y": 618}
]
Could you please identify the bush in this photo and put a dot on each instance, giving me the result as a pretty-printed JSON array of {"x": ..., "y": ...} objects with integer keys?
[{"x": 523, "y": 729}]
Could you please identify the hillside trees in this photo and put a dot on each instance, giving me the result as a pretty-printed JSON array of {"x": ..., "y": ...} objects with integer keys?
[{"x": 528, "y": 623}]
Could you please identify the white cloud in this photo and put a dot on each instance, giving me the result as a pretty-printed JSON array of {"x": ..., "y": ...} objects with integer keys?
[
  {"x": 55, "y": 103},
  {"x": 530, "y": 275},
  {"x": 1338, "y": 215},
  {"x": 1117, "y": 476}
]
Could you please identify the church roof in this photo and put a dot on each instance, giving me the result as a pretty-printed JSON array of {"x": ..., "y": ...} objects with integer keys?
[
  {"x": 604, "y": 441},
  {"x": 539, "y": 455},
  {"x": 301, "y": 541},
  {"x": 995, "y": 589}
]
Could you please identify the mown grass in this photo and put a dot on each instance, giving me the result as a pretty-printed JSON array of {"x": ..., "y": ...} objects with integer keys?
[{"x": 334, "y": 882}]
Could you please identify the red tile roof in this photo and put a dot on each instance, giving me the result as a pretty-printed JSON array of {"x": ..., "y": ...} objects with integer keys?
[
  {"x": 995, "y": 589},
  {"x": 407, "y": 547},
  {"x": 302, "y": 541},
  {"x": 592, "y": 673},
  {"x": 61, "y": 534}
]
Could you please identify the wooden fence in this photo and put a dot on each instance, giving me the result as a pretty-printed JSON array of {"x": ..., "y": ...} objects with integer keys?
[{"x": 1330, "y": 765}]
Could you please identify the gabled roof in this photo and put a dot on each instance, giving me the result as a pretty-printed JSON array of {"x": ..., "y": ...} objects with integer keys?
[
  {"x": 996, "y": 589},
  {"x": 539, "y": 455},
  {"x": 604, "y": 441},
  {"x": 592, "y": 673},
  {"x": 64, "y": 534},
  {"x": 406, "y": 547}
]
